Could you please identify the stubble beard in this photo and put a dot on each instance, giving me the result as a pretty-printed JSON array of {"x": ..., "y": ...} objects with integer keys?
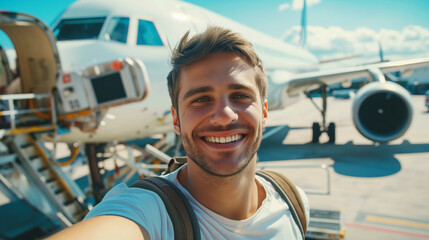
[{"x": 197, "y": 156}]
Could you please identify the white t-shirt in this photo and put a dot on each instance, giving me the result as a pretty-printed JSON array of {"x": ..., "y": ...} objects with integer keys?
[{"x": 273, "y": 220}]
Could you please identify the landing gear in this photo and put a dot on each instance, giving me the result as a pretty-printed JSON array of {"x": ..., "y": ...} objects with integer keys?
[
  {"x": 316, "y": 132},
  {"x": 331, "y": 132},
  {"x": 317, "y": 129}
]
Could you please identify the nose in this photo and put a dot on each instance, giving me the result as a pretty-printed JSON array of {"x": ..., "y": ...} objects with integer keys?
[{"x": 224, "y": 113}]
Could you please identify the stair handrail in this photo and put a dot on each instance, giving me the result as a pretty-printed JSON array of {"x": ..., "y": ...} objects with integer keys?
[{"x": 13, "y": 111}]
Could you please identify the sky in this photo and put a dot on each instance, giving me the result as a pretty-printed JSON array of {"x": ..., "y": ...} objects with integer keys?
[{"x": 336, "y": 28}]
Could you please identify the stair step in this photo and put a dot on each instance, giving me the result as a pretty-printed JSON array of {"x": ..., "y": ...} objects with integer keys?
[
  {"x": 34, "y": 157},
  {"x": 7, "y": 159},
  {"x": 50, "y": 179},
  {"x": 42, "y": 169},
  {"x": 63, "y": 197},
  {"x": 26, "y": 145},
  {"x": 73, "y": 207},
  {"x": 22, "y": 140},
  {"x": 30, "y": 151},
  {"x": 58, "y": 191},
  {"x": 47, "y": 173},
  {"x": 54, "y": 186},
  {"x": 70, "y": 201},
  {"x": 38, "y": 163},
  {"x": 327, "y": 214}
]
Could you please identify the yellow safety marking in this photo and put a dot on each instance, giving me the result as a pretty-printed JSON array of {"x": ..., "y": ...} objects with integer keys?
[
  {"x": 343, "y": 233},
  {"x": 74, "y": 115},
  {"x": 72, "y": 158},
  {"x": 398, "y": 222},
  {"x": 17, "y": 131},
  {"x": 44, "y": 155}
]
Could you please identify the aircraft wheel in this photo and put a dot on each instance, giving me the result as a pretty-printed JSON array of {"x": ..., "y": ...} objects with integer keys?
[
  {"x": 316, "y": 132},
  {"x": 331, "y": 132}
]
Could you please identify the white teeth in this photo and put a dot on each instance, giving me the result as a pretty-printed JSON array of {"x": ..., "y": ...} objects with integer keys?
[{"x": 228, "y": 139}]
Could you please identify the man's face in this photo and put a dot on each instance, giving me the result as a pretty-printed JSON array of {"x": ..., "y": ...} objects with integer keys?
[{"x": 220, "y": 113}]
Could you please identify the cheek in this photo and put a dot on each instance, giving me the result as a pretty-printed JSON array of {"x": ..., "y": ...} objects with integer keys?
[
  {"x": 190, "y": 119},
  {"x": 254, "y": 114},
  {"x": 196, "y": 114}
]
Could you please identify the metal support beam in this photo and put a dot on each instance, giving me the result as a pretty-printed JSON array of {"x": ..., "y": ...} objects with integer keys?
[{"x": 98, "y": 187}]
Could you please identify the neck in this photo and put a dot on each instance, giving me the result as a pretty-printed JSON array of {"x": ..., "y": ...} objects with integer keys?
[{"x": 236, "y": 197}]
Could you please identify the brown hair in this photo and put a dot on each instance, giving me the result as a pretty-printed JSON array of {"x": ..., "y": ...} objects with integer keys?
[{"x": 213, "y": 40}]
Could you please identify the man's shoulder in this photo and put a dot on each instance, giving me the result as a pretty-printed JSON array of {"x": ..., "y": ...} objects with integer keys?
[
  {"x": 123, "y": 200},
  {"x": 141, "y": 206}
]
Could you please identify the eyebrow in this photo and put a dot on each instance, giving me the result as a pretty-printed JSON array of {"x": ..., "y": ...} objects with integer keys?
[
  {"x": 238, "y": 86},
  {"x": 205, "y": 89},
  {"x": 195, "y": 91}
]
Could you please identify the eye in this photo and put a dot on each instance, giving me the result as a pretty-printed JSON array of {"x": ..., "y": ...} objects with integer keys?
[
  {"x": 240, "y": 96},
  {"x": 201, "y": 99}
]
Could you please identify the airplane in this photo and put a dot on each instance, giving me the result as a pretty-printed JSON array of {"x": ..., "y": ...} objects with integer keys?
[
  {"x": 95, "y": 31},
  {"x": 91, "y": 31}
]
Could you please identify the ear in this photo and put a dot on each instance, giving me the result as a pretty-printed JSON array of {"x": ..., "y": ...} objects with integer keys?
[
  {"x": 176, "y": 123},
  {"x": 265, "y": 113}
]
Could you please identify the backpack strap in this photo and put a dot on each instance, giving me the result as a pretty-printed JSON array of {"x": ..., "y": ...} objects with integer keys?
[
  {"x": 174, "y": 164},
  {"x": 182, "y": 215},
  {"x": 290, "y": 194}
]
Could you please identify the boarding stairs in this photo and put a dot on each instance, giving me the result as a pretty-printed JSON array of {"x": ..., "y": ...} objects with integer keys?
[
  {"x": 58, "y": 188},
  {"x": 29, "y": 169},
  {"x": 326, "y": 224}
]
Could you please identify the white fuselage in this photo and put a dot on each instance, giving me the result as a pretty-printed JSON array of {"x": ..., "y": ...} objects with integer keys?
[{"x": 171, "y": 19}]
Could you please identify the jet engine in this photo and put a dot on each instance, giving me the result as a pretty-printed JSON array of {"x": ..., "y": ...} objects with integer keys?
[{"x": 382, "y": 111}]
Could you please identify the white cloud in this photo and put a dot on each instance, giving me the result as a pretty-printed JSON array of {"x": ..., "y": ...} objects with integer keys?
[
  {"x": 333, "y": 42},
  {"x": 283, "y": 6},
  {"x": 297, "y": 4}
]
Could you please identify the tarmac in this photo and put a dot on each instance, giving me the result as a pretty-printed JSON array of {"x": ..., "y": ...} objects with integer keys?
[{"x": 382, "y": 189}]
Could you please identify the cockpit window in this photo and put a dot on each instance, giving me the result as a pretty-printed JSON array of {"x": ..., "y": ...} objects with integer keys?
[
  {"x": 117, "y": 29},
  {"x": 147, "y": 34},
  {"x": 77, "y": 29}
]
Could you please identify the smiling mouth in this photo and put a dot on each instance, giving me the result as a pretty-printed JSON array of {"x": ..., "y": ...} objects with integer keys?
[{"x": 228, "y": 139}]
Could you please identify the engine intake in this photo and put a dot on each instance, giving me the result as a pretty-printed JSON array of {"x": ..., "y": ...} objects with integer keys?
[{"x": 382, "y": 111}]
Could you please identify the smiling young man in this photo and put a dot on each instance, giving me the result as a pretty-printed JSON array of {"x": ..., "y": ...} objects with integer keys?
[{"x": 218, "y": 92}]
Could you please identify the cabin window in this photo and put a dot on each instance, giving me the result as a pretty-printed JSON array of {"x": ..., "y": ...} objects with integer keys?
[
  {"x": 80, "y": 28},
  {"x": 117, "y": 29},
  {"x": 147, "y": 34}
]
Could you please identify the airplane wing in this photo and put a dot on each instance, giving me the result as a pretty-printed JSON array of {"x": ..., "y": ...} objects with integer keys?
[
  {"x": 301, "y": 82},
  {"x": 382, "y": 110}
]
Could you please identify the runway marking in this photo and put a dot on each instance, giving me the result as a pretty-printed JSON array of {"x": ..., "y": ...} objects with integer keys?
[
  {"x": 393, "y": 231},
  {"x": 397, "y": 222}
]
